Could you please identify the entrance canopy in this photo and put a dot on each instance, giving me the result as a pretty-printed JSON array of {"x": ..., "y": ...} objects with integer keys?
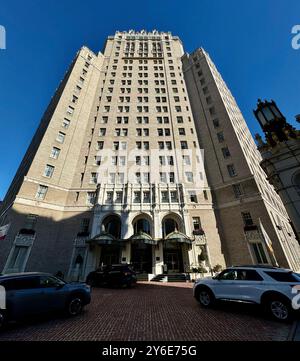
[
  {"x": 104, "y": 239},
  {"x": 178, "y": 237},
  {"x": 143, "y": 237}
]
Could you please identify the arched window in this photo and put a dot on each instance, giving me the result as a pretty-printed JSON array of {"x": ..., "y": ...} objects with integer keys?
[
  {"x": 112, "y": 225},
  {"x": 169, "y": 225},
  {"x": 142, "y": 225}
]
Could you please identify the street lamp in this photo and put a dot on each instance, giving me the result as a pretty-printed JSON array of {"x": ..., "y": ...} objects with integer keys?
[
  {"x": 272, "y": 122},
  {"x": 268, "y": 115}
]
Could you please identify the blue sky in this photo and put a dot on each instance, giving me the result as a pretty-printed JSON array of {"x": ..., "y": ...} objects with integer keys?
[{"x": 249, "y": 41}]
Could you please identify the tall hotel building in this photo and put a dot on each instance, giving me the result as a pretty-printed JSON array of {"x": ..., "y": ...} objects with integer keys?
[{"x": 142, "y": 157}]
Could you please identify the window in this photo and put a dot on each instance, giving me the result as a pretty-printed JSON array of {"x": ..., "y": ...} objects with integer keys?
[
  {"x": 100, "y": 145},
  {"x": 231, "y": 170},
  {"x": 91, "y": 198},
  {"x": 184, "y": 144},
  {"x": 70, "y": 110},
  {"x": 146, "y": 197},
  {"x": 164, "y": 196},
  {"x": 93, "y": 178},
  {"x": 216, "y": 123},
  {"x": 189, "y": 176},
  {"x": 60, "y": 137},
  {"x": 41, "y": 192},
  {"x": 259, "y": 253},
  {"x": 237, "y": 190},
  {"x": 109, "y": 197},
  {"x": 137, "y": 197},
  {"x": 172, "y": 177},
  {"x": 74, "y": 99},
  {"x": 174, "y": 196},
  {"x": 163, "y": 177},
  {"x": 54, "y": 153},
  {"x": 146, "y": 177},
  {"x": 119, "y": 196},
  {"x": 102, "y": 132},
  {"x": 168, "y": 145},
  {"x": 181, "y": 131},
  {"x": 170, "y": 160},
  {"x": 220, "y": 136},
  {"x": 122, "y": 160},
  {"x": 212, "y": 111},
  {"x": 193, "y": 197},
  {"x": 48, "y": 172},
  {"x": 186, "y": 160},
  {"x": 247, "y": 219},
  {"x": 138, "y": 177},
  {"x": 65, "y": 123},
  {"x": 226, "y": 153},
  {"x": 196, "y": 223},
  {"x": 97, "y": 160},
  {"x": 282, "y": 276},
  {"x": 104, "y": 120},
  {"x": 179, "y": 120},
  {"x": 84, "y": 225}
]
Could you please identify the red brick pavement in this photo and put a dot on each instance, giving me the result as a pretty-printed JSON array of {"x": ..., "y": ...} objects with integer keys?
[{"x": 151, "y": 312}]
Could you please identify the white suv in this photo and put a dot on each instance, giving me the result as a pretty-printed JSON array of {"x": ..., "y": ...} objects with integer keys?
[{"x": 272, "y": 287}]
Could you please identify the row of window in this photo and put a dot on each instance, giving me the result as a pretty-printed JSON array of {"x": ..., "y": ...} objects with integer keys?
[
  {"x": 144, "y": 119},
  {"x": 144, "y": 109},
  {"x": 145, "y": 82},
  {"x": 60, "y": 138},
  {"x": 144, "y": 132},
  {"x": 144, "y": 145},
  {"x": 145, "y": 99},
  {"x": 220, "y": 135},
  {"x": 143, "y": 160}
]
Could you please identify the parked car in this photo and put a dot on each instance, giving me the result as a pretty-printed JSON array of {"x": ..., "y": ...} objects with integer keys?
[
  {"x": 112, "y": 275},
  {"x": 33, "y": 293},
  {"x": 270, "y": 287}
]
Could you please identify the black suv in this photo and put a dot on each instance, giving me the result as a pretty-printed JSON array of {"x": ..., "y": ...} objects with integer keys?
[{"x": 112, "y": 275}]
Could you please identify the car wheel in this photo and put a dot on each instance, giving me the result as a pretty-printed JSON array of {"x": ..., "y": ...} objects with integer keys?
[
  {"x": 279, "y": 308},
  {"x": 205, "y": 297},
  {"x": 74, "y": 306}
]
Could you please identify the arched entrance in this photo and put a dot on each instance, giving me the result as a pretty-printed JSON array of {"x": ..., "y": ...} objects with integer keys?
[
  {"x": 173, "y": 247},
  {"x": 111, "y": 250},
  {"x": 141, "y": 245}
]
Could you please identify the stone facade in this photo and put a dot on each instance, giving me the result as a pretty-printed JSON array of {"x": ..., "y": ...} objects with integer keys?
[{"x": 115, "y": 171}]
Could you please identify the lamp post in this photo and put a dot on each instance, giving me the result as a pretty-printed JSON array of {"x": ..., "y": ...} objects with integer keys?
[{"x": 273, "y": 122}]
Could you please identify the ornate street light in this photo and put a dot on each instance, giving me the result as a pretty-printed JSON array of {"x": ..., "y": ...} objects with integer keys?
[
  {"x": 268, "y": 114},
  {"x": 273, "y": 122}
]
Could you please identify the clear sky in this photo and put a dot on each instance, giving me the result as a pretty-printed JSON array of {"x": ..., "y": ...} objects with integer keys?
[{"x": 249, "y": 41}]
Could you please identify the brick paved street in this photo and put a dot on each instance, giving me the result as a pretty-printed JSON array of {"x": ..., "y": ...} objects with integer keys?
[{"x": 152, "y": 312}]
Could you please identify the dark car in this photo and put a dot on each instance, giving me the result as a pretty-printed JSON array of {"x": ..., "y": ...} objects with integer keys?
[
  {"x": 35, "y": 293},
  {"x": 112, "y": 275}
]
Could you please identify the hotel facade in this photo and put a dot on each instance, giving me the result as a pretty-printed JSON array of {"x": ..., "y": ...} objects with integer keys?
[{"x": 142, "y": 157}]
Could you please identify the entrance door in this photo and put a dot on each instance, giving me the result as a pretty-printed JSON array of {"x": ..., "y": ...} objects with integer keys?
[
  {"x": 172, "y": 261},
  {"x": 109, "y": 255},
  {"x": 173, "y": 257},
  {"x": 141, "y": 257}
]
